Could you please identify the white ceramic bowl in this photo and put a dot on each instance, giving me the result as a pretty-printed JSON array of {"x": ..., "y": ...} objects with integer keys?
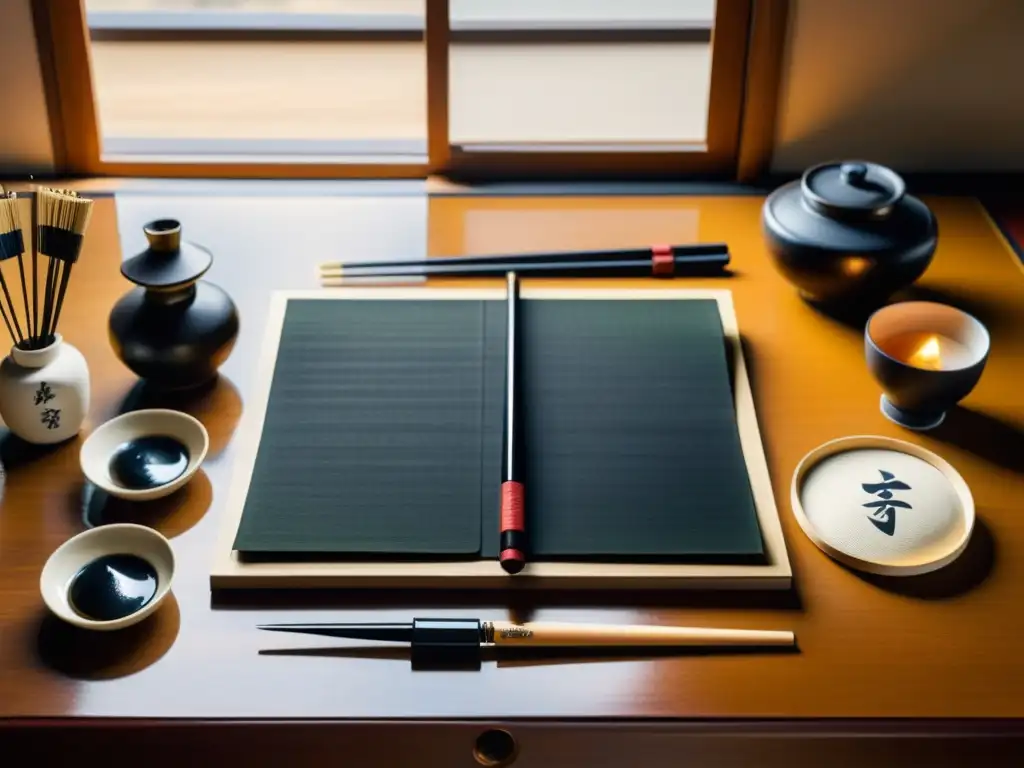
[
  {"x": 120, "y": 539},
  {"x": 100, "y": 446}
]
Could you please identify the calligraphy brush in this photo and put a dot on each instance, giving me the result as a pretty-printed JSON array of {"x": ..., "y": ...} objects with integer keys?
[
  {"x": 42, "y": 199},
  {"x": 59, "y": 218},
  {"x": 337, "y": 269},
  {"x": 470, "y": 634},
  {"x": 62, "y": 220},
  {"x": 16, "y": 218},
  {"x": 12, "y": 244},
  {"x": 664, "y": 261},
  {"x": 703, "y": 265},
  {"x": 513, "y": 519}
]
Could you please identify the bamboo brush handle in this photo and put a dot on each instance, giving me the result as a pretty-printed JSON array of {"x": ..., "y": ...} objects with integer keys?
[{"x": 593, "y": 635}]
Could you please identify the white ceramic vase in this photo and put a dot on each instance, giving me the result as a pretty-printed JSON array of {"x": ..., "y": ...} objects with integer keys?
[{"x": 44, "y": 393}]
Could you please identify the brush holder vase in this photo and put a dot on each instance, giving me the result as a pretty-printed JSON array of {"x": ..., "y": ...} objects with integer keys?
[
  {"x": 174, "y": 330},
  {"x": 44, "y": 393}
]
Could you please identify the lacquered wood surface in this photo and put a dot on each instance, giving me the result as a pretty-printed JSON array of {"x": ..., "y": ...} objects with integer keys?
[{"x": 946, "y": 645}]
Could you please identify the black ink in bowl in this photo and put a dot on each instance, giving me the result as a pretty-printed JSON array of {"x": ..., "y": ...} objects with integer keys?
[
  {"x": 148, "y": 462},
  {"x": 112, "y": 587}
]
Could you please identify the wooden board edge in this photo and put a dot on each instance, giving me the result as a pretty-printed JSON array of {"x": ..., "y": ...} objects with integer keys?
[
  {"x": 479, "y": 575},
  {"x": 248, "y": 433},
  {"x": 752, "y": 444},
  {"x": 229, "y": 573},
  {"x": 390, "y": 293},
  {"x": 223, "y": 582}
]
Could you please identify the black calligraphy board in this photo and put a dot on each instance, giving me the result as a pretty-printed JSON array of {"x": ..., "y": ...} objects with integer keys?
[{"x": 383, "y": 430}]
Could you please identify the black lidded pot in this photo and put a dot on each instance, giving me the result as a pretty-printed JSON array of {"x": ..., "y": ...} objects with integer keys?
[
  {"x": 174, "y": 330},
  {"x": 848, "y": 233}
]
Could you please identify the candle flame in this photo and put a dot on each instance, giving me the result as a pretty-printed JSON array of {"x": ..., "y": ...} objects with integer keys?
[{"x": 928, "y": 355}]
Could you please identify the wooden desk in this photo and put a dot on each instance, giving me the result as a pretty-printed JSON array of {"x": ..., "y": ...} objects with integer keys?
[{"x": 944, "y": 646}]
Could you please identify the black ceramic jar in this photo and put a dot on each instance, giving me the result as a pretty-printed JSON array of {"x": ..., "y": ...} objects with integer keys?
[
  {"x": 849, "y": 233},
  {"x": 174, "y": 330}
]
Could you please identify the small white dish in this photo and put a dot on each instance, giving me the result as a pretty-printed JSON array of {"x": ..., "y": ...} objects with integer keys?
[
  {"x": 118, "y": 539},
  {"x": 101, "y": 445},
  {"x": 882, "y": 505}
]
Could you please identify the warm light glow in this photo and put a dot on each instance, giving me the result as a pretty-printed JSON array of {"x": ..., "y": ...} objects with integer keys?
[
  {"x": 855, "y": 266},
  {"x": 928, "y": 355}
]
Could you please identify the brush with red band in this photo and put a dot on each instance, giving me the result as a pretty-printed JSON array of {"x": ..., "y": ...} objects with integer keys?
[
  {"x": 513, "y": 527},
  {"x": 668, "y": 261},
  {"x": 512, "y": 544}
]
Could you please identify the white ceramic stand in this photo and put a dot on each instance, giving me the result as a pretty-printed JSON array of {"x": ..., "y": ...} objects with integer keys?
[{"x": 44, "y": 393}]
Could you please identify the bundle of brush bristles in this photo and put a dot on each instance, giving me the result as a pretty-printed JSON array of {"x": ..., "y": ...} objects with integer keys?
[{"x": 59, "y": 218}]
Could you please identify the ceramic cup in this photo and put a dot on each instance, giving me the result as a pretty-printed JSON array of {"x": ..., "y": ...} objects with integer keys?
[
  {"x": 44, "y": 393},
  {"x": 927, "y": 357}
]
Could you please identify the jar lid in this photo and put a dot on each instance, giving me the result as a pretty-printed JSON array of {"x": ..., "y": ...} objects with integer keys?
[
  {"x": 852, "y": 189},
  {"x": 169, "y": 261},
  {"x": 882, "y": 505}
]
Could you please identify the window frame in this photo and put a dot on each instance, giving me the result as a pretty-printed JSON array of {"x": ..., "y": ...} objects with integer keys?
[{"x": 747, "y": 44}]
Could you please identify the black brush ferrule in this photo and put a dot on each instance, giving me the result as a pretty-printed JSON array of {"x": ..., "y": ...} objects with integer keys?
[
  {"x": 512, "y": 540},
  {"x": 59, "y": 243},
  {"x": 446, "y": 641},
  {"x": 11, "y": 244}
]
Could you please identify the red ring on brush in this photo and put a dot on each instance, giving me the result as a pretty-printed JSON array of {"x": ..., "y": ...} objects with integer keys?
[
  {"x": 513, "y": 527},
  {"x": 663, "y": 260}
]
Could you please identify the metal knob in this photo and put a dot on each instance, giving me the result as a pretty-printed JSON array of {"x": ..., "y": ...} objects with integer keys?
[{"x": 495, "y": 748}]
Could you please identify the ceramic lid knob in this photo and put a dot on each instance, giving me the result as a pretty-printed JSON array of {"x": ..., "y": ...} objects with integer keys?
[
  {"x": 169, "y": 262},
  {"x": 163, "y": 235},
  {"x": 853, "y": 173}
]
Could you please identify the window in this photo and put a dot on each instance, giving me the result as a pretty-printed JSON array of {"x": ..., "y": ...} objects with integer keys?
[{"x": 492, "y": 88}]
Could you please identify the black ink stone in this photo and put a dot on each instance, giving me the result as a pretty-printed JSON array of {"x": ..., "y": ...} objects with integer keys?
[
  {"x": 148, "y": 462},
  {"x": 112, "y": 587}
]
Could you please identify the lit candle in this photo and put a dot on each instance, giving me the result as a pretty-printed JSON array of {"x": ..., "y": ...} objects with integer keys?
[
  {"x": 927, "y": 351},
  {"x": 927, "y": 355}
]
